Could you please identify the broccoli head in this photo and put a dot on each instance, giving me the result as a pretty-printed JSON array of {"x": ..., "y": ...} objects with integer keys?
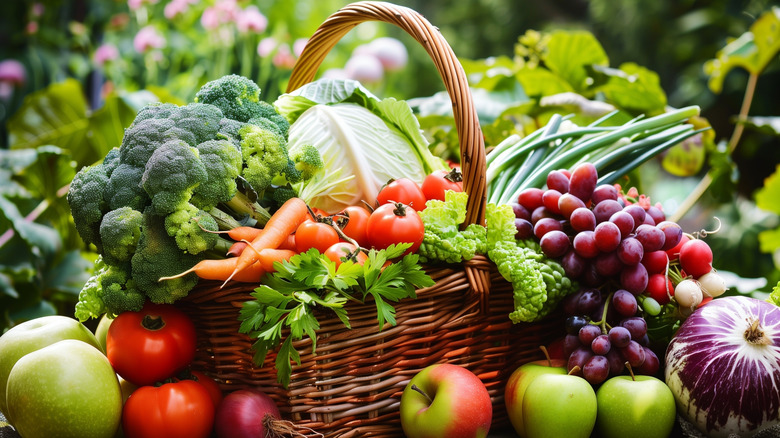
[
  {"x": 142, "y": 138},
  {"x": 120, "y": 292},
  {"x": 238, "y": 97},
  {"x": 171, "y": 175},
  {"x": 195, "y": 123},
  {"x": 268, "y": 117},
  {"x": 87, "y": 204},
  {"x": 265, "y": 156},
  {"x": 190, "y": 228},
  {"x": 157, "y": 256},
  {"x": 111, "y": 161},
  {"x": 120, "y": 231},
  {"x": 124, "y": 188},
  {"x": 156, "y": 110},
  {"x": 223, "y": 165}
]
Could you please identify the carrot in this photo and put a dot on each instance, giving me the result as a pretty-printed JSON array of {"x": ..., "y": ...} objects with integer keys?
[
  {"x": 239, "y": 233},
  {"x": 268, "y": 256},
  {"x": 236, "y": 248},
  {"x": 220, "y": 269},
  {"x": 282, "y": 223}
]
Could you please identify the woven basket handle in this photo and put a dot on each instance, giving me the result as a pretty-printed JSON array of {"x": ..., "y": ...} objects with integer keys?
[{"x": 472, "y": 144}]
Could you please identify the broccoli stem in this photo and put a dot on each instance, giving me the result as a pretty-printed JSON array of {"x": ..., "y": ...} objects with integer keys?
[
  {"x": 224, "y": 220},
  {"x": 240, "y": 204}
]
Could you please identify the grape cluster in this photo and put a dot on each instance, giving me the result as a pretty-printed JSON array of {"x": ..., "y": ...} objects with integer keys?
[{"x": 611, "y": 244}]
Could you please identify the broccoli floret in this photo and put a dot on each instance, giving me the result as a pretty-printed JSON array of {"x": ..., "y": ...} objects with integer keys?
[
  {"x": 171, "y": 175},
  {"x": 308, "y": 161},
  {"x": 228, "y": 130},
  {"x": 157, "y": 256},
  {"x": 223, "y": 165},
  {"x": 124, "y": 188},
  {"x": 142, "y": 138},
  {"x": 120, "y": 292},
  {"x": 155, "y": 110},
  {"x": 238, "y": 97},
  {"x": 90, "y": 304},
  {"x": 265, "y": 156},
  {"x": 120, "y": 231},
  {"x": 187, "y": 227},
  {"x": 87, "y": 204},
  {"x": 267, "y": 117},
  {"x": 111, "y": 161},
  {"x": 195, "y": 123}
]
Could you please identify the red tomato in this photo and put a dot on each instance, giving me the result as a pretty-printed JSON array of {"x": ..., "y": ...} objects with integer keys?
[
  {"x": 312, "y": 234},
  {"x": 211, "y": 385},
  {"x": 352, "y": 221},
  {"x": 150, "y": 345},
  {"x": 338, "y": 252},
  {"x": 177, "y": 409},
  {"x": 395, "y": 223},
  {"x": 402, "y": 190},
  {"x": 439, "y": 181}
]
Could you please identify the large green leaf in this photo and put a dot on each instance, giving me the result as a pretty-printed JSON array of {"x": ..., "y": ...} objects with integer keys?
[
  {"x": 633, "y": 87},
  {"x": 55, "y": 115},
  {"x": 753, "y": 50},
  {"x": 538, "y": 82},
  {"x": 570, "y": 52},
  {"x": 766, "y": 125},
  {"x": 43, "y": 240}
]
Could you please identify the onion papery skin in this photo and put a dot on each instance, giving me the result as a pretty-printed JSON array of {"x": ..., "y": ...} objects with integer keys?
[{"x": 722, "y": 383}]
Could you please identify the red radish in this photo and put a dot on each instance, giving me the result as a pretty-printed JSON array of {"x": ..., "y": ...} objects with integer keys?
[
  {"x": 696, "y": 258},
  {"x": 249, "y": 413}
]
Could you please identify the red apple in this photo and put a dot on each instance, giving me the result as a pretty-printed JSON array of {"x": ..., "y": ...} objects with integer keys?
[
  {"x": 446, "y": 401},
  {"x": 514, "y": 391}
]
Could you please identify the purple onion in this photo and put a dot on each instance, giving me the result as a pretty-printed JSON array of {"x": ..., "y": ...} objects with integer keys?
[{"x": 723, "y": 367}]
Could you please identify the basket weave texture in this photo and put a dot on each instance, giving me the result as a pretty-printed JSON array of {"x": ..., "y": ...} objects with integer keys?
[{"x": 352, "y": 386}]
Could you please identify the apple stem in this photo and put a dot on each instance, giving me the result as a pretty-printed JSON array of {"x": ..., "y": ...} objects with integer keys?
[
  {"x": 153, "y": 322},
  {"x": 546, "y": 355},
  {"x": 427, "y": 397},
  {"x": 574, "y": 370},
  {"x": 630, "y": 371}
]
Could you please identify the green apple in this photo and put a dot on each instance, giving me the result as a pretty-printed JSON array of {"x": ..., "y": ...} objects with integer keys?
[
  {"x": 518, "y": 382},
  {"x": 66, "y": 389},
  {"x": 446, "y": 401},
  {"x": 33, "y": 335},
  {"x": 638, "y": 407},
  {"x": 102, "y": 330},
  {"x": 559, "y": 405}
]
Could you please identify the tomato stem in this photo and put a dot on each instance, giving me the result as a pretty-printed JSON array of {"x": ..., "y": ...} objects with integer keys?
[{"x": 152, "y": 322}]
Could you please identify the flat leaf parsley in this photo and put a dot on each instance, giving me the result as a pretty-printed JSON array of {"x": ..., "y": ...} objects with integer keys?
[{"x": 288, "y": 297}]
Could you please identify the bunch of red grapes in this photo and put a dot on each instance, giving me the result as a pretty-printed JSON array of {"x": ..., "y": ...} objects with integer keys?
[{"x": 612, "y": 246}]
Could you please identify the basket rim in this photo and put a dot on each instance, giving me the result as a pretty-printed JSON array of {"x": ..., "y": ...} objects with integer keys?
[{"x": 472, "y": 144}]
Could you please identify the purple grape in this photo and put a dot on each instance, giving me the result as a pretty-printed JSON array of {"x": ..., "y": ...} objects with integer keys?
[
  {"x": 635, "y": 325},
  {"x": 633, "y": 353},
  {"x": 545, "y": 225},
  {"x": 616, "y": 362},
  {"x": 573, "y": 265},
  {"x": 591, "y": 277},
  {"x": 579, "y": 357},
  {"x": 651, "y": 365},
  {"x": 601, "y": 345},
  {"x": 634, "y": 278},
  {"x": 567, "y": 203},
  {"x": 588, "y": 333},
  {"x": 605, "y": 209},
  {"x": 630, "y": 251},
  {"x": 554, "y": 243},
  {"x": 571, "y": 302},
  {"x": 624, "y": 302},
  {"x": 582, "y": 219},
  {"x": 651, "y": 237},
  {"x": 608, "y": 264},
  {"x": 550, "y": 200},
  {"x": 637, "y": 213},
  {"x": 557, "y": 180},
  {"x": 539, "y": 213},
  {"x": 574, "y": 323},
  {"x": 603, "y": 192},
  {"x": 520, "y": 211},
  {"x": 672, "y": 234},
  {"x": 596, "y": 369},
  {"x": 530, "y": 198},
  {"x": 570, "y": 343},
  {"x": 584, "y": 243},
  {"x": 583, "y": 181},
  {"x": 607, "y": 236},
  {"x": 624, "y": 221},
  {"x": 656, "y": 213},
  {"x": 589, "y": 300},
  {"x": 524, "y": 229},
  {"x": 619, "y": 336}
]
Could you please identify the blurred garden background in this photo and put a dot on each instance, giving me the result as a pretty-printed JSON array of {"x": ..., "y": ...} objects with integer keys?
[{"x": 73, "y": 74}]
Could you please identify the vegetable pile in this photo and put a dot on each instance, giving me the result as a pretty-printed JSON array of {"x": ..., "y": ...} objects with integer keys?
[{"x": 153, "y": 206}]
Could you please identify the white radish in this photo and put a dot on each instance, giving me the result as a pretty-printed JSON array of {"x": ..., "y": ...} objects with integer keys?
[
  {"x": 712, "y": 284},
  {"x": 688, "y": 294}
]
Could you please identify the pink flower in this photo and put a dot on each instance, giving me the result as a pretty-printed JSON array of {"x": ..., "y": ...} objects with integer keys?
[
  {"x": 223, "y": 12},
  {"x": 390, "y": 52},
  {"x": 147, "y": 39},
  {"x": 251, "y": 20},
  {"x": 364, "y": 68},
  {"x": 31, "y": 28},
  {"x": 266, "y": 46},
  {"x": 176, "y": 8},
  {"x": 12, "y": 74},
  {"x": 283, "y": 57},
  {"x": 134, "y": 5},
  {"x": 299, "y": 45},
  {"x": 105, "y": 53},
  {"x": 37, "y": 9}
]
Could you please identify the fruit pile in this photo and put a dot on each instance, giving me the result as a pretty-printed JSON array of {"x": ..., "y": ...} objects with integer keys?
[{"x": 629, "y": 260}]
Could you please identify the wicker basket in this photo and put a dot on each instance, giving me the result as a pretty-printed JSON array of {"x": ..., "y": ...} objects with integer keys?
[{"x": 352, "y": 385}]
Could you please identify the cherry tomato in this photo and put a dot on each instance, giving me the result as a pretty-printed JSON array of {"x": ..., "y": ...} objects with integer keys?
[
  {"x": 150, "y": 345},
  {"x": 339, "y": 253},
  {"x": 211, "y": 385},
  {"x": 660, "y": 288},
  {"x": 176, "y": 409},
  {"x": 312, "y": 234},
  {"x": 402, "y": 190},
  {"x": 395, "y": 223},
  {"x": 439, "y": 181},
  {"x": 352, "y": 221},
  {"x": 696, "y": 257}
]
